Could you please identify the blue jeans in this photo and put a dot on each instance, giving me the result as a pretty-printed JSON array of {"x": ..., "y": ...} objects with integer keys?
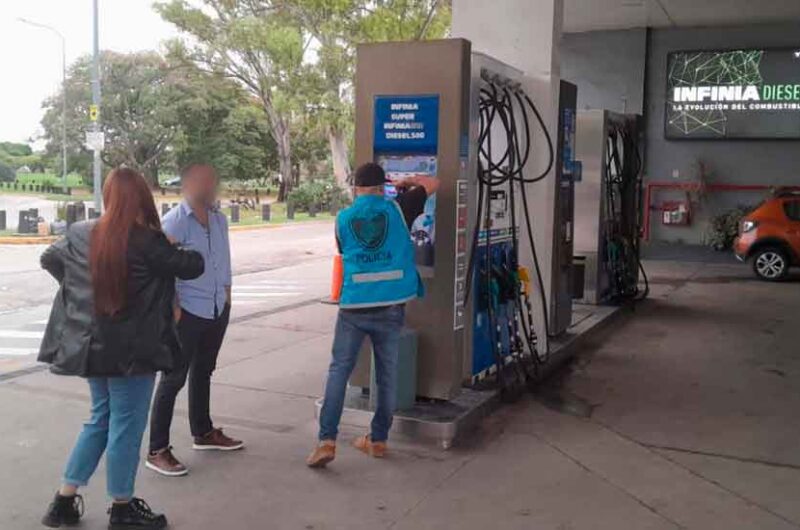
[
  {"x": 119, "y": 416},
  {"x": 383, "y": 326}
]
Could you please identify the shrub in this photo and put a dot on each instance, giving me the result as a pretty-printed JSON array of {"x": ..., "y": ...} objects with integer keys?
[
  {"x": 322, "y": 193},
  {"x": 7, "y": 173},
  {"x": 49, "y": 179},
  {"x": 724, "y": 227}
]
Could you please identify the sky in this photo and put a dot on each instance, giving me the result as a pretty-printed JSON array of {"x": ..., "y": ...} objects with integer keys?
[{"x": 30, "y": 57}]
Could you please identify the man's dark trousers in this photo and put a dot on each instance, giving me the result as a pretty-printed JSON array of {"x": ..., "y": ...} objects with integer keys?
[{"x": 201, "y": 340}]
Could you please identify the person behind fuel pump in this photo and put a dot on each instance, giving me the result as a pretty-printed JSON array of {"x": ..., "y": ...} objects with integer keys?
[
  {"x": 379, "y": 278},
  {"x": 203, "y": 309},
  {"x": 111, "y": 323}
]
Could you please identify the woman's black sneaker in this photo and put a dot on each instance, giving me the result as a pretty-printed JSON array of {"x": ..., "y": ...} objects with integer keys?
[
  {"x": 135, "y": 515},
  {"x": 64, "y": 511}
]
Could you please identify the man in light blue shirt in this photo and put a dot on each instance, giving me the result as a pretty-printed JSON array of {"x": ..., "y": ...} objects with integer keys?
[{"x": 203, "y": 310}]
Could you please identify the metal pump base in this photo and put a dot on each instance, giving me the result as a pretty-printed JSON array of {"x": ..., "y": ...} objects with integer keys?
[{"x": 444, "y": 422}]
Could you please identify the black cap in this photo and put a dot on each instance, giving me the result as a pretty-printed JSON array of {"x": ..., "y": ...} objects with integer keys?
[{"x": 370, "y": 174}]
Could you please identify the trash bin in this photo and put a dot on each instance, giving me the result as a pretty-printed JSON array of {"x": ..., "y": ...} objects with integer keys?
[
  {"x": 71, "y": 214},
  {"x": 234, "y": 213},
  {"x": 333, "y": 208},
  {"x": 2, "y": 219},
  {"x": 578, "y": 277},
  {"x": 265, "y": 212},
  {"x": 28, "y": 221}
]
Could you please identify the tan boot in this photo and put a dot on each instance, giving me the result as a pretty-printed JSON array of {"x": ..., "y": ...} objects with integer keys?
[
  {"x": 373, "y": 449},
  {"x": 322, "y": 455}
]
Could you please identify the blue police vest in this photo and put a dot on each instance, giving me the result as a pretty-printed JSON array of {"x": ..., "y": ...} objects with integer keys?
[{"x": 377, "y": 254}]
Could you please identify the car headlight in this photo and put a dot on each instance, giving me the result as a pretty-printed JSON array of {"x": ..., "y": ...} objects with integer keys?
[{"x": 748, "y": 225}]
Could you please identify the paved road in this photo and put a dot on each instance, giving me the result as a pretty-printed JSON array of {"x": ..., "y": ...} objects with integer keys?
[
  {"x": 12, "y": 204},
  {"x": 274, "y": 269}
]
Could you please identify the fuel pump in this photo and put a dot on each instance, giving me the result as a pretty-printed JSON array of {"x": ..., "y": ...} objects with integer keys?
[
  {"x": 608, "y": 206},
  {"x": 505, "y": 343},
  {"x": 439, "y": 109},
  {"x": 623, "y": 191}
]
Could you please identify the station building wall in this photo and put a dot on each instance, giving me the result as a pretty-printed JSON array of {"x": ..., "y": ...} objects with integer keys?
[{"x": 595, "y": 60}]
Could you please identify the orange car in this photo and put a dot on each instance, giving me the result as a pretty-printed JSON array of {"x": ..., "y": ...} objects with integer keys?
[{"x": 769, "y": 237}]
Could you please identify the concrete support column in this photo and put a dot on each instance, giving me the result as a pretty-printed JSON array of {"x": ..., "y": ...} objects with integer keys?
[{"x": 525, "y": 34}]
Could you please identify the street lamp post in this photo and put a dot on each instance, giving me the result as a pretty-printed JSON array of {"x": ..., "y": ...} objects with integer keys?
[
  {"x": 96, "y": 167},
  {"x": 63, "y": 93}
]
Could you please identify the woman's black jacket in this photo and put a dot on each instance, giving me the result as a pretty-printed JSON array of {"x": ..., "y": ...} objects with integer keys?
[{"x": 141, "y": 339}]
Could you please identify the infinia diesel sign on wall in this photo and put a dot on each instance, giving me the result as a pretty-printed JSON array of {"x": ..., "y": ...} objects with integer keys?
[{"x": 733, "y": 94}]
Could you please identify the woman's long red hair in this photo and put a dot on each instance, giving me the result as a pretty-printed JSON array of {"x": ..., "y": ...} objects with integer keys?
[{"x": 128, "y": 202}]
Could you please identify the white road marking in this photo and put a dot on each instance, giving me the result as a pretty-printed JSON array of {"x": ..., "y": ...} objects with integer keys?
[
  {"x": 281, "y": 282},
  {"x": 264, "y": 295},
  {"x": 237, "y": 289},
  {"x": 16, "y": 334},
  {"x": 18, "y": 352}
]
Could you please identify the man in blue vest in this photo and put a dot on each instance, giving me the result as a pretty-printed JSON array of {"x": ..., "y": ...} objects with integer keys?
[{"x": 379, "y": 278}]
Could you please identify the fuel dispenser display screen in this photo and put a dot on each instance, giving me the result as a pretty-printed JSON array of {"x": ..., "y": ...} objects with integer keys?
[{"x": 406, "y": 144}]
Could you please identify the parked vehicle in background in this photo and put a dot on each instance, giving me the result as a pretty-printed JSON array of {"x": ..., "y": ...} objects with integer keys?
[
  {"x": 769, "y": 237},
  {"x": 172, "y": 182}
]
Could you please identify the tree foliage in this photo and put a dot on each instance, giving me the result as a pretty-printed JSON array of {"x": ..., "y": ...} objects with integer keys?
[
  {"x": 337, "y": 27},
  {"x": 7, "y": 173},
  {"x": 222, "y": 126},
  {"x": 257, "y": 88},
  {"x": 254, "y": 43},
  {"x": 16, "y": 155},
  {"x": 140, "y": 118},
  {"x": 157, "y": 115}
]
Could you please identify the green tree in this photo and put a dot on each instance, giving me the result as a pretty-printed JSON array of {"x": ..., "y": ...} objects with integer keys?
[
  {"x": 222, "y": 126},
  {"x": 139, "y": 112},
  {"x": 14, "y": 149},
  {"x": 337, "y": 27},
  {"x": 7, "y": 173},
  {"x": 256, "y": 44},
  {"x": 16, "y": 155}
]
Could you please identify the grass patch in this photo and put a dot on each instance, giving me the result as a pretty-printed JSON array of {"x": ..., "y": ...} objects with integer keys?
[
  {"x": 278, "y": 216},
  {"x": 78, "y": 194},
  {"x": 49, "y": 179}
]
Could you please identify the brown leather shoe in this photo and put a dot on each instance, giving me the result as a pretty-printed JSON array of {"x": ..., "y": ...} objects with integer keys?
[
  {"x": 165, "y": 463},
  {"x": 216, "y": 441},
  {"x": 366, "y": 445},
  {"x": 322, "y": 455}
]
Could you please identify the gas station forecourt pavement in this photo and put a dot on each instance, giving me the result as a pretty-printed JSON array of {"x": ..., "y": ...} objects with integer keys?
[{"x": 640, "y": 432}]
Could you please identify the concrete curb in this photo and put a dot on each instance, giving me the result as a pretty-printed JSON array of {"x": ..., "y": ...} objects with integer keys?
[
  {"x": 46, "y": 240},
  {"x": 248, "y": 228},
  {"x": 27, "y": 240}
]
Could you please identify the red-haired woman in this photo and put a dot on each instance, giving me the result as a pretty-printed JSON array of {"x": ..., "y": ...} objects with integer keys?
[{"x": 112, "y": 323}]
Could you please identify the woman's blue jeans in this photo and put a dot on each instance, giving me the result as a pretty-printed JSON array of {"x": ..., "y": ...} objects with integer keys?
[
  {"x": 383, "y": 326},
  {"x": 120, "y": 406}
]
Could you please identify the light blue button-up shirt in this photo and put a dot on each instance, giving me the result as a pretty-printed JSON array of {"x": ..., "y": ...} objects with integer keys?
[{"x": 204, "y": 296}]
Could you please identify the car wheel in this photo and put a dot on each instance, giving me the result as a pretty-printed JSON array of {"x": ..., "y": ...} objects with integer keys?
[{"x": 771, "y": 264}]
